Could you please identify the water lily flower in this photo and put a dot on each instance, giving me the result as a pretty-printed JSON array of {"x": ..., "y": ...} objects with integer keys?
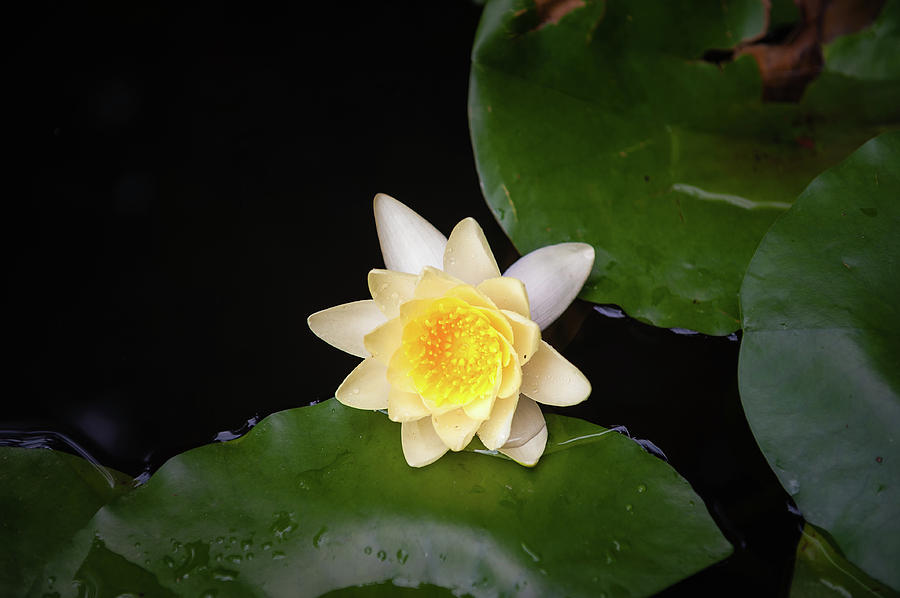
[{"x": 450, "y": 347}]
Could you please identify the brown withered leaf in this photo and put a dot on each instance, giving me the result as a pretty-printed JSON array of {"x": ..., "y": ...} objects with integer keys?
[
  {"x": 787, "y": 66},
  {"x": 551, "y": 11}
]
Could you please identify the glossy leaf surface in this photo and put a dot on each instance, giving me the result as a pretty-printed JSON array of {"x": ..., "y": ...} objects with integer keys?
[
  {"x": 819, "y": 375},
  {"x": 320, "y": 498},
  {"x": 608, "y": 128},
  {"x": 821, "y": 571}
]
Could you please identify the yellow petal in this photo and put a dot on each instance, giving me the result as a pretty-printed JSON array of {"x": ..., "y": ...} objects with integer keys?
[
  {"x": 344, "y": 326},
  {"x": 384, "y": 341},
  {"x": 529, "y": 453},
  {"x": 455, "y": 428},
  {"x": 389, "y": 289},
  {"x": 526, "y": 335},
  {"x": 499, "y": 322},
  {"x": 550, "y": 379},
  {"x": 510, "y": 378},
  {"x": 435, "y": 283},
  {"x": 397, "y": 372},
  {"x": 467, "y": 255},
  {"x": 480, "y": 409},
  {"x": 472, "y": 296},
  {"x": 414, "y": 308},
  {"x": 405, "y": 406},
  {"x": 366, "y": 387},
  {"x": 526, "y": 423},
  {"x": 439, "y": 409},
  {"x": 507, "y": 293},
  {"x": 421, "y": 444},
  {"x": 494, "y": 433}
]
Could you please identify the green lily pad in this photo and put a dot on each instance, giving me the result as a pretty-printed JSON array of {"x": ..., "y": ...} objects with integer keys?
[
  {"x": 608, "y": 128},
  {"x": 818, "y": 371},
  {"x": 45, "y": 497},
  {"x": 822, "y": 572},
  {"x": 319, "y": 498}
]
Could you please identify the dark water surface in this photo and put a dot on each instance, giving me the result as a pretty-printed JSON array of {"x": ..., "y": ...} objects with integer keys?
[{"x": 190, "y": 185}]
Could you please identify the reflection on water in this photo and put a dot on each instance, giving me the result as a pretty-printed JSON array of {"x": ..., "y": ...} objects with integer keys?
[
  {"x": 227, "y": 435},
  {"x": 46, "y": 439},
  {"x": 678, "y": 395}
]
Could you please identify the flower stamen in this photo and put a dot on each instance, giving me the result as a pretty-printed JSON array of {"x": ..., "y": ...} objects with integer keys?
[{"x": 454, "y": 353}]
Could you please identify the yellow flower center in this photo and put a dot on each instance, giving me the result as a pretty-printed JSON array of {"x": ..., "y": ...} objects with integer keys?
[{"x": 454, "y": 352}]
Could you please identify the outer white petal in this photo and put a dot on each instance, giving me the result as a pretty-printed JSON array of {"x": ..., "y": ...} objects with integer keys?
[
  {"x": 408, "y": 241},
  {"x": 494, "y": 433},
  {"x": 526, "y": 423},
  {"x": 344, "y": 326},
  {"x": 366, "y": 387},
  {"x": 421, "y": 444},
  {"x": 553, "y": 276},
  {"x": 468, "y": 255},
  {"x": 550, "y": 378},
  {"x": 529, "y": 453}
]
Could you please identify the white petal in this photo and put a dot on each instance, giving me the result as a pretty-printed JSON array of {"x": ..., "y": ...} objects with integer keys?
[
  {"x": 553, "y": 276},
  {"x": 526, "y": 423},
  {"x": 529, "y": 453},
  {"x": 344, "y": 326},
  {"x": 421, "y": 444},
  {"x": 456, "y": 429},
  {"x": 494, "y": 433},
  {"x": 468, "y": 255},
  {"x": 408, "y": 241},
  {"x": 550, "y": 379},
  {"x": 405, "y": 406},
  {"x": 366, "y": 387},
  {"x": 389, "y": 289}
]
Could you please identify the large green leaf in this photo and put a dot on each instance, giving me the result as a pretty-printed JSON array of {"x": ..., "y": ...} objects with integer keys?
[
  {"x": 45, "y": 497},
  {"x": 820, "y": 360},
  {"x": 320, "y": 498},
  {"x": 608, "y": 128},
  {"x": 821, "y": 572}
]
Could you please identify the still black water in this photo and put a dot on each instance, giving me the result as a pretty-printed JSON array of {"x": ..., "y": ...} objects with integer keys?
[{"x": 189, "y": 185}]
